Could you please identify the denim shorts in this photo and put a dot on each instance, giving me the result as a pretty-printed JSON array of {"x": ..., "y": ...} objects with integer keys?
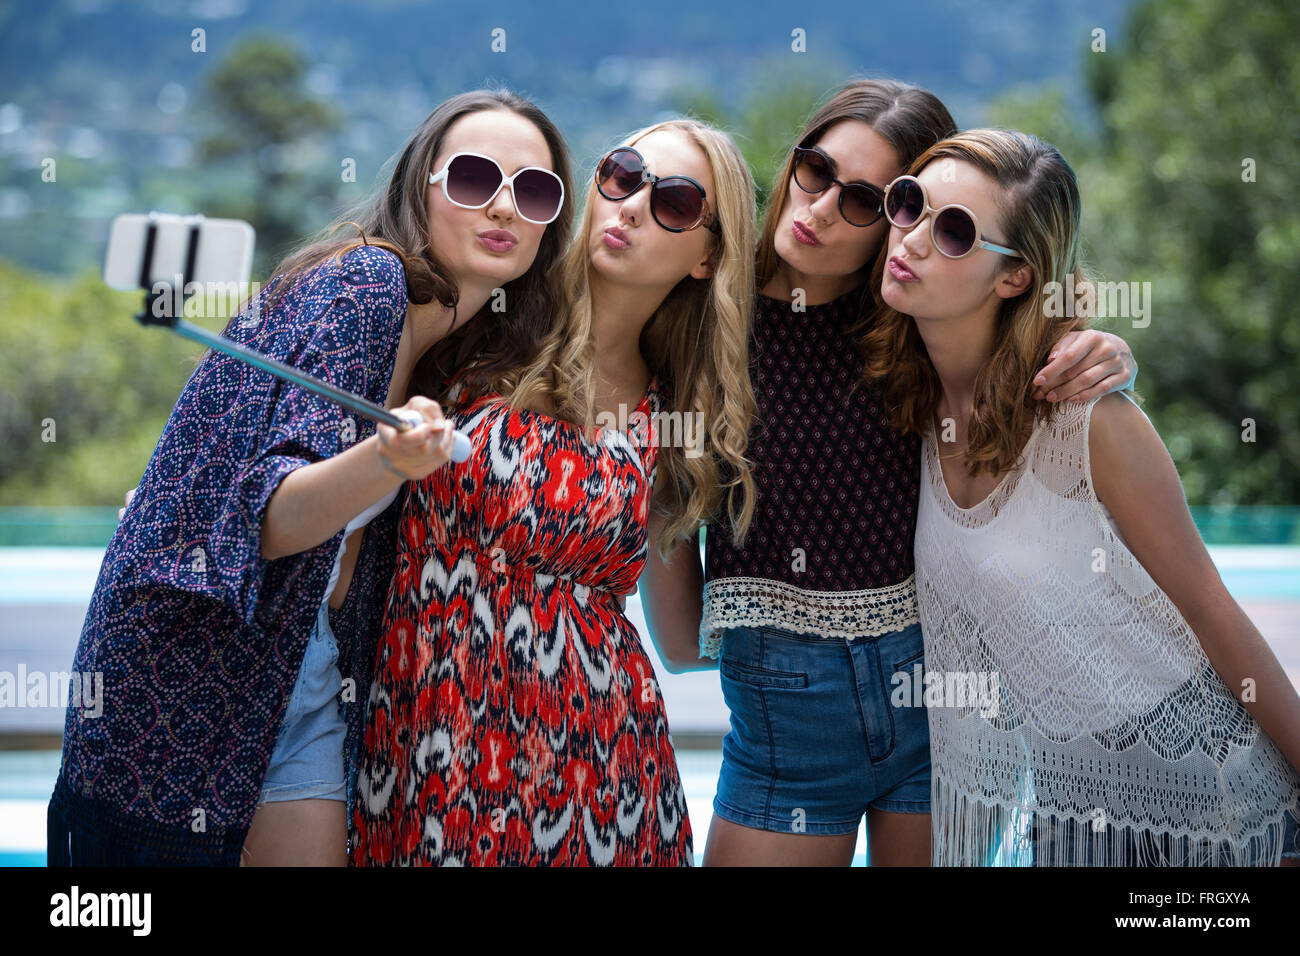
[
  {"x": 307, "y": 762},
  {"x": 814, "y": 738}
]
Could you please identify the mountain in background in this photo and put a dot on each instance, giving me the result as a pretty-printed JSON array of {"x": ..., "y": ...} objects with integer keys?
[{"x": 117, "y": 96}]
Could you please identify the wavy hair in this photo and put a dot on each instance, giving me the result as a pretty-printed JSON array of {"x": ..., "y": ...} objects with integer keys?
[
  {"x": 696, "y": 342},
  {"x": 1040, "y": 208},
  {"x": 396, "y": 219}
]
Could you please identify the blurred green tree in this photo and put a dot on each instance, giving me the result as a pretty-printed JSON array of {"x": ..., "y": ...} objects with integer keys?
[
  {"x": 1184, "y": 96},
  {"x": 269, "y": 123},
  {"x": 86, "y": 389},
  {"x": 1188, "y": 173}
]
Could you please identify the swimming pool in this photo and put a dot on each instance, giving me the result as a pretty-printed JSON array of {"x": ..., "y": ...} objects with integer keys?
[{"x": 47, "y": 590}]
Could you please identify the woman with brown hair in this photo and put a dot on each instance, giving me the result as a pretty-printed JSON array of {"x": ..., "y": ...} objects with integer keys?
[
  {"x": 223, "y": 737},
  {"x": 808, "y": 618},
  {"x": 1056, "y": 555}
]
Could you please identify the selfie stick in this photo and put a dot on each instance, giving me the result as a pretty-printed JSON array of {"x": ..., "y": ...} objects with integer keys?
[{"x": 401, "y": 419}]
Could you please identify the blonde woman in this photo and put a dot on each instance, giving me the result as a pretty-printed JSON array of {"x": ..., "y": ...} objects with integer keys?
[
  {"x": 514, "y": 718},
  {"x": 1057, "y": 565}
]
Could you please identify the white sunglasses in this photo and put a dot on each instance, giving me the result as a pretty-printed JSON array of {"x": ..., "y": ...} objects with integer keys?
[
  {"x": 472, "y": 180},
  {"x": 954, "y": 230}
]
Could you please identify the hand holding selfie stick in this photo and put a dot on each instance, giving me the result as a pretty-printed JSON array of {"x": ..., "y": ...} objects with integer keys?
[{"x": 401, "y": 419}]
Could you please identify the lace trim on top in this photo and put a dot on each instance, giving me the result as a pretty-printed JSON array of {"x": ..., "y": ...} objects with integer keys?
[{"x": 758, "y": 602}]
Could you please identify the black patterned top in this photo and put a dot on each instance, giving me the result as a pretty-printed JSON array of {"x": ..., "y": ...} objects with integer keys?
[{"x": 829, "y": 550}]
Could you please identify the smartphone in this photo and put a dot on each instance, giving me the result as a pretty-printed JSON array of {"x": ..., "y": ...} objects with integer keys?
[{"x": 224, "y": 252}]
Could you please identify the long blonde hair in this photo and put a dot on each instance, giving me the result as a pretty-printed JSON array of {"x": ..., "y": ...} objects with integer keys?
[
  {"x": 1041, "y": 210},
  {"x": 696, "y": 342}
]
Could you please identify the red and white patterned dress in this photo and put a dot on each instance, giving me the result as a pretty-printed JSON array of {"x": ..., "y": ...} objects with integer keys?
[{"x": 514, "y": 718}]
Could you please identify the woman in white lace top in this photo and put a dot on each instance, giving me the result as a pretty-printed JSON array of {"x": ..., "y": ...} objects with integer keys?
[{"x": 1095, "y": 695}]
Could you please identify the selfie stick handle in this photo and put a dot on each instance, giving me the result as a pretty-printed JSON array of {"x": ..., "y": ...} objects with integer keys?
[{"x": 401, "y": 419}]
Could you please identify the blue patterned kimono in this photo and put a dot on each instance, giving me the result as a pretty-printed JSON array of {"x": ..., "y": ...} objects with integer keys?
[{"x": 198, "y": 637}]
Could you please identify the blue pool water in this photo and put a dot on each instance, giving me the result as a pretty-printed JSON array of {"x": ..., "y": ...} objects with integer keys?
[
  {"x": 26, "y": 779},
  {"x": 39, "y": 575}
]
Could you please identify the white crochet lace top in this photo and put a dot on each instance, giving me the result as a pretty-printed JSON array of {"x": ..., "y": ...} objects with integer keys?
[{"x": 1107, "y": 738}]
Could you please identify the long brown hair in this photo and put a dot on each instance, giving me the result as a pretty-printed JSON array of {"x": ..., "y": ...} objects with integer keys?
[
  {"x": 1041, "y": 211},
  {"x": 907, "y": 117},
  {"x": 396, "y": 219},
  {"x": 696, "y": 342}
]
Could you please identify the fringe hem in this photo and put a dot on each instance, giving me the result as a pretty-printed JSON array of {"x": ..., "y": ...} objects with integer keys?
[
  {"x": 84, "y": 832},
  {"x": 969, "y": 831}
]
